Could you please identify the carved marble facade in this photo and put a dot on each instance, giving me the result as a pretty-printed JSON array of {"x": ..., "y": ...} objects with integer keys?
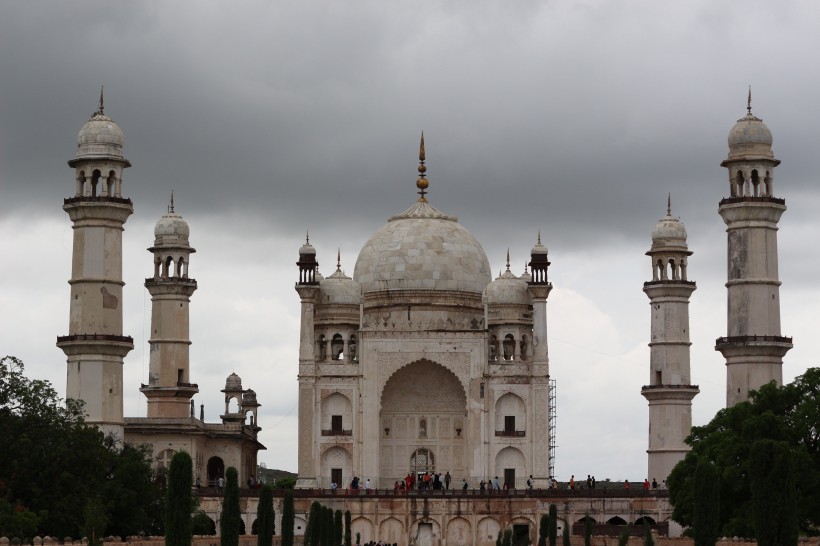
[{"x": 421, "y": 362}]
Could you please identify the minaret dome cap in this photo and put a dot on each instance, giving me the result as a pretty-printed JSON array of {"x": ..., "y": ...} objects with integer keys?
[{"x": 100, "y": 137}]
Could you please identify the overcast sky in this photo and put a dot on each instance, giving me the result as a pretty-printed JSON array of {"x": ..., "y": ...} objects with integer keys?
[{"x": 270, "y": 118}]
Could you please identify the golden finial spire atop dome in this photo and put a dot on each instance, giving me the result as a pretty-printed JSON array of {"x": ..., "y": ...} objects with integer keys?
[
  {"x": 100, "y": 111},
  {"x": 338, "y": 259},
  {"x": 669, "y": 204},
  {"x": 749, "y": 102},
  {"x": 508, "y": 258},
  {"x": 422, "y": 183},
  {"x": 171, "y": 203}
]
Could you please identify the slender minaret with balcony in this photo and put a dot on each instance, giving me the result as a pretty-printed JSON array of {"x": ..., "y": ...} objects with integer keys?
[
  {"x": 169, "y": 389},
  {"x": 669, "y": 391},
  {"x": 308, "y": 287},
  {"x": 539, "y": 289},
  {"x": 95, "y": 345},
  {"x": 753, "y": 348}
]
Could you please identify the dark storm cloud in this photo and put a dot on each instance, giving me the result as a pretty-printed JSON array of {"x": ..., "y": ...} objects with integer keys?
[{"x": 576, "y": 118}]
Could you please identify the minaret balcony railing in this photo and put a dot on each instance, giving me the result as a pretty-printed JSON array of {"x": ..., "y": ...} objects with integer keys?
[
  {"x": 97, "y": 199},
  {"x": 752, "y": 199},
  {"x": 742, "y": 340},
  {"x": 95, "y": 337},
  {"x": 658, "y": 387},
  {"x": 669, "y": 281}
]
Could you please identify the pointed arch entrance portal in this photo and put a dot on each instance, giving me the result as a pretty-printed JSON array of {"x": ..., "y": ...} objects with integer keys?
[{"x": 423, "y": 408}]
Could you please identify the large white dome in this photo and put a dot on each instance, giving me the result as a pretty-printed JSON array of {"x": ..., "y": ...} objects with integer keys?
[{"x": 422, "y": 248}]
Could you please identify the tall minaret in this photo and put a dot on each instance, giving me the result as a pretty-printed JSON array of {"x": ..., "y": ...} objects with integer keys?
[
  {"x": 169, "y": 388},
  {"x": 669, "y": 391},
  {"x": 753, "y": 348},
  {"x": 308, "y": 288},
  {"x": 95, "y": 346},
  {"x": 539, "y": 289}
]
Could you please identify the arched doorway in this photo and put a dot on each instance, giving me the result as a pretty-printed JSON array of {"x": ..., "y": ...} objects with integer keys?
[
  {"x": 216, "y": 470},
  {"x": 423, "y": 409}
]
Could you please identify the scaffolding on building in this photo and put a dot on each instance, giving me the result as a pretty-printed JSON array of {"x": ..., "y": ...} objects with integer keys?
[{"x": 552, "y": 418}]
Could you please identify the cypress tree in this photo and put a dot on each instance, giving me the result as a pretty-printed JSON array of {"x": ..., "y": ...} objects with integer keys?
[
  {"x": 587, "y": 530},
  {"x": 565, "y": 535},
  {"x": 265, "y": 526},
  {"x": 623, "y": 538},
  {"x": 543, "y": 530},
  {"x": 774, "y": 492},
  {"x": 647, "y": 537},
  {"x": 178, "y": 501},
  {"x": 338, "y": 529},
  {"x": 507, "y": 541},
  {"x": 288, "y": 516},
  {"x": 552, "y": 535},
  {"x": 706, "y": 510},
  {"x": 330, "y": 527},
  {"x": 230, "y": 520},
  {"x": 347, "y": 528},
  {"x": 312, "y": 524}
]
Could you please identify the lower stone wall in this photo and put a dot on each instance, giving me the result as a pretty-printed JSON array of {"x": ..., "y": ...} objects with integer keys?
[{"x": 250, "y": 540}]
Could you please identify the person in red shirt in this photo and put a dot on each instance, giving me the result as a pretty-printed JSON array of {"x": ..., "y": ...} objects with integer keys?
[
  {"x": 646, "y": 484},
  {"x": 626, "y": 485}
]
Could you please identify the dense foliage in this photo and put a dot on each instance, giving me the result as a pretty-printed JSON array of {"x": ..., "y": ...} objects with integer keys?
[
  {"x": 789, "y": 416},
  {"x": 230, "y": 522},
  {"x": 61, "y": 477},
  {"x": 266, "y": 526},
  {"x": 543, "y": 530},
  {"x": 288, "y": 516},
  {"x": 706, "y": 510},
  {"x": 552, "y": 529},
  {"x": 338, "y": 528},
  {"x": 773, "y": 493},
  {"x": 179, "y": 502},
  {"x": 347, "y": 528}
]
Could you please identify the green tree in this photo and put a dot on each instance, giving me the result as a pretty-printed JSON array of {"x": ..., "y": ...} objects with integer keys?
[
  {"x": 285, "y": 483},
  {"x": 773, "y": 493},
  {"x": 201, "y": 524},
  {"x": 338, "y": 528},
  {"x": 507, "y": 540},
  {"x": 587, "y": 530},
  {"x": 358, "y": 538},
  {"x": 313, "y": 530},
  {"x": 96, "y": 521},
  {"x": 623, "y": 538},
  {"x": 565, "y": 535},
  {"x": 543, "y": 530},
  {"x": 178, "y": 501},
  {"x": 17, "y": 520},
  {"x": 648, "y": 540},
  {"x": 327, "y": 526},
  {"x": 553, "y": 525},
  {"x": 706, "y": 499},
  {"x": 288, "y": 516},
  {"x": 265, "y": 523},
  {"x": 782, "y": 414},
  {"x": 52, "y": 464},
  {"x": 347, "y": 528},
  {"x": 230, "y": 520}
]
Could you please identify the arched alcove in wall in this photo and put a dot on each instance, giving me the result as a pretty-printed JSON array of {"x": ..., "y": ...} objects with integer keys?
[{"x": 423, "y": 406}]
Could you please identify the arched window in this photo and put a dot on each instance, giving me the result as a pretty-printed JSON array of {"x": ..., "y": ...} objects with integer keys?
[
  {"x": 110, "y": 183},
  {"x": 755, "y": 183},
  {"x": 321, "y": 344},
  {"x": 422, "y": 461},
  {"x": 767, "y": 185},
  {"x": 216, "y": 470},
  {"x": 180, "y": 264},
  {"x": 493, "y": 349},
  {"x": 738, "y": 188},
  {"x": 352, "y": 347},
  {"x": 673, "y": 268},
  {"x": 95, "y": 179},
  {"x": 337, "y": 346},
  {"x": 164, "y": 458},
  {"x": 509, "y": 347}
]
